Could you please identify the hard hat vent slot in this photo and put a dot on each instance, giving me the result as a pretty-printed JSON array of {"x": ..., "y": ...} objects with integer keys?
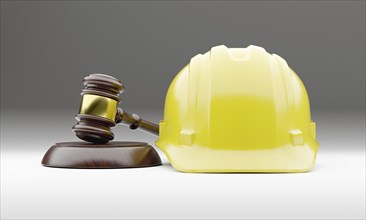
[
  {"x": 297, "y": 137},
  {"x": 186, "y": 137}
]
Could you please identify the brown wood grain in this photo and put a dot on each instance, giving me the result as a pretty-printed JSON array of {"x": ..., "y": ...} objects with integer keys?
[{"x": 111, "y": 155}]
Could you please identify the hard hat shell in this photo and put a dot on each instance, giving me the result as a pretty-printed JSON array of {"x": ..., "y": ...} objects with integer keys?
[{"x": 238, "y": 110}]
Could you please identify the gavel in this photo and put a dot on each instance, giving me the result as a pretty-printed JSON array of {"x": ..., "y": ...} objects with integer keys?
[{"x": 99, "y": 111}]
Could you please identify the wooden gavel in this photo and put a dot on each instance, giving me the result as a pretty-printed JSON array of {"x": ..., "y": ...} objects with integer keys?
[{"x": 99, "y": 110}]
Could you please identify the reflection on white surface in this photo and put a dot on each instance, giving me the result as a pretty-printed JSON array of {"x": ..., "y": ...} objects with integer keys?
[{"x": 334, "y": 189}]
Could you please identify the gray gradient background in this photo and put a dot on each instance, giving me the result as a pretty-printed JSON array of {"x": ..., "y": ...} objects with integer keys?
[{"x": 47, "y": 47}]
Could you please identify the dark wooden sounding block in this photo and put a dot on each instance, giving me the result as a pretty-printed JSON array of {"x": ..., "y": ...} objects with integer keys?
[{"x": 110, "y": 155}]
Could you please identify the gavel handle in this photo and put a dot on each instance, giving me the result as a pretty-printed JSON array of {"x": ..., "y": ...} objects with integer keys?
[{"x": 135, "y": 121}]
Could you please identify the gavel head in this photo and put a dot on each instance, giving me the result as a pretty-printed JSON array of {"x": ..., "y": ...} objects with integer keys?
[{"x": 98, "y": 108}]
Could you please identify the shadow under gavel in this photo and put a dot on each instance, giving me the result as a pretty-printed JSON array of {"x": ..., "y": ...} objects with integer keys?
[{"x": 98, "y": 113}]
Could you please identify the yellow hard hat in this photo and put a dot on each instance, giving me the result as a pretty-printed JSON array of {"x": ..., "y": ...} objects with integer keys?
[{"x": 238, "y": 110}]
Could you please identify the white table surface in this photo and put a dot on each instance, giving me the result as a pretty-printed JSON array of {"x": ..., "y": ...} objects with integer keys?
[{"x": 335, "y": 188}]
